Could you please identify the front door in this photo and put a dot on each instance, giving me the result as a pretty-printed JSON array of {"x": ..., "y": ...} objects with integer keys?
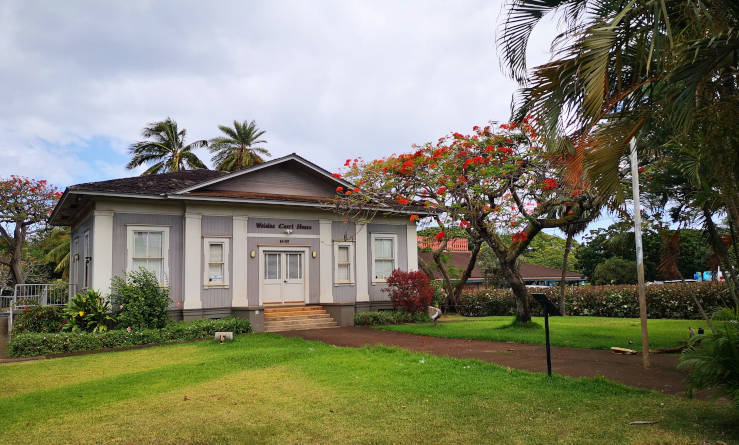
[{"x": 283, "y": 277}]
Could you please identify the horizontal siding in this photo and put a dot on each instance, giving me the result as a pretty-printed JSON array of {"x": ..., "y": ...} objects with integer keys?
[
  {"x": 343, "y": 293},
  {"x": 285, "y": 179},
  {"x": 376, "y": 290},
  {"x": 176, "y": 237},
  {"x": 217, "y": 226}
]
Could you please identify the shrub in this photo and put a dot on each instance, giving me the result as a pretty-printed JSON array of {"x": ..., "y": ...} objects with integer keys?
[
  {"x": 139, "y": 301},
  {"x": 411, "y": 291},
  {"x": 36, "y": 318},
  {"x": 615, "y": 270},
  {"x": 673, "y": 300},
  {"x": 388, "y": 317},
  {"x": 713, "y": 361},
  {"x": 726, "y": 313},
  {"x": 88, "y": 311},
  {"x": 32, "y": 344}
]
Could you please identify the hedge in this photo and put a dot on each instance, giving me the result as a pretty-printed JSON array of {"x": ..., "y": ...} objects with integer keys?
[
  {"x": 33, "y": 344},
  {"x": 672, "y": 300},
  {"x": 388, "y": 317}
]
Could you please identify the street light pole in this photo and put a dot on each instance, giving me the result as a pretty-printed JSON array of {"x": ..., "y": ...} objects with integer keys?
[{"x": 639, "y": 252}]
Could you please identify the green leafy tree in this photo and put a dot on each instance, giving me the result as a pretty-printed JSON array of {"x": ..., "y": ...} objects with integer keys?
[
  {"x": 615, "y": 270},
  {"x": 164, "y": 149},
  {"x": 239, "y": 148}
]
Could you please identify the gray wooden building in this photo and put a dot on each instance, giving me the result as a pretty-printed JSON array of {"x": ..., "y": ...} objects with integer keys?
[{"x": 264, "y": 238}]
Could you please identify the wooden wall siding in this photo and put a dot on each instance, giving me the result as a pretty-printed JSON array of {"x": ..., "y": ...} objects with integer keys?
[
  {"x": 375, "y": 289},
  {"x": 313, "y": 224},
  {"x": 215, "y": 226},
  {"x": 343, "y": 293},
  {"x": 287, "y": 179},
  {"x": 79, "y": 231},
  {"x": 176, "y": 237},
  {"x": 252, "y": 279}
]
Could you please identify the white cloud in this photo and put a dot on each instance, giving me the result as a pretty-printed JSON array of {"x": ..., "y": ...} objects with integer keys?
[{"x": 328, "y": 80}]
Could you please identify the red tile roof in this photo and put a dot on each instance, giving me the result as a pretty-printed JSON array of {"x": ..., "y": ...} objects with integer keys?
[{"x": 459, "y": 260}]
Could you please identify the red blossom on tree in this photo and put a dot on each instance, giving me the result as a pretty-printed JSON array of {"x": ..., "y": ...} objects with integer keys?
[
  {"x": 24, "y": 206},
  {"x": 498, "y": 183}
]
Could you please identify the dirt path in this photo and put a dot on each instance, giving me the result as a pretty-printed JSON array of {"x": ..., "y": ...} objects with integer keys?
[{"x": 574, "y": 362}]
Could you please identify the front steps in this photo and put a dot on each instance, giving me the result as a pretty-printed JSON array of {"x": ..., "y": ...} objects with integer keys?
[{"x": 297, "y": 318}]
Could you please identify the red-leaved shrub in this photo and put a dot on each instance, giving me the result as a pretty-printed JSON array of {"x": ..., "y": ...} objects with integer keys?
[{"x": 411, "y": 291}]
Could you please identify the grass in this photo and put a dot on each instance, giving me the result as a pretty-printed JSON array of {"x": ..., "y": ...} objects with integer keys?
[
  {"x": 579, "y": 332},
  {"x": 269, "y": 389}
]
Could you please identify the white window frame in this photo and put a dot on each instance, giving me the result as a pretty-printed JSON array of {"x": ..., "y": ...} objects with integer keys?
[
  {"x": 337, "y": 245},
  {"x": 75, "y": 260},
  {"x": 130, "y": 229},
  {"x": 206, "y": 260},
  {"x": 86, "y": 259},
  {"x": 375, "y": 236}
]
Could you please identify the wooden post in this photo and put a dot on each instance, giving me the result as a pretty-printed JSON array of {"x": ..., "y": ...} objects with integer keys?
[{"x": 639, "y": 252}]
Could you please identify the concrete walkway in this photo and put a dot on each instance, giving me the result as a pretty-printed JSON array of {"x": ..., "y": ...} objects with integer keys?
[{"x": 574, "y": 362}]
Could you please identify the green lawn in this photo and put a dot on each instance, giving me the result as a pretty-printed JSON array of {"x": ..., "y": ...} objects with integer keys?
[
  {"x": 578, "y": 332},
  {"x": 265, "y": 388}
]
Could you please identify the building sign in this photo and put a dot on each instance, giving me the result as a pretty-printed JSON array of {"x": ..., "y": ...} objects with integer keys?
[{"x": 293, "y": 226}]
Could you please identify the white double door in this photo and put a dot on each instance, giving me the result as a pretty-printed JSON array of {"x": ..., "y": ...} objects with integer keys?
[{"x": 283, "y": 276}]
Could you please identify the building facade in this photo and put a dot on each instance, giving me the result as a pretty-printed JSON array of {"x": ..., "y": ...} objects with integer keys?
[{"x": 235, "y": 244}]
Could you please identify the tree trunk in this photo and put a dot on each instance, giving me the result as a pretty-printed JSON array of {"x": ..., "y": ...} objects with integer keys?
[
  {"x": 520, "y": 293},
  {"x": 16, "y": 253},
  {"x": 720, "y": 249},
  {"x": 467, "y": 272},
  {"x": 563, "y": 280}
]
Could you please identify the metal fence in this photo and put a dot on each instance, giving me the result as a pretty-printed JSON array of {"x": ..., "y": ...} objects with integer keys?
[{"x": 55, "y": 294}]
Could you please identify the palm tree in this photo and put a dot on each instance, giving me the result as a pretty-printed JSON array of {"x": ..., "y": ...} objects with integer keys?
[
  {"x": 165, "y": 147},
  {"x": 58, "y": 253},
  {"x": 628, "y": 69},
  {"x": 238, "y": 149}
]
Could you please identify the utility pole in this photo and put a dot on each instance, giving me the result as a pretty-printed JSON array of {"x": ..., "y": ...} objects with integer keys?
[{"x": 639, "y": 252}]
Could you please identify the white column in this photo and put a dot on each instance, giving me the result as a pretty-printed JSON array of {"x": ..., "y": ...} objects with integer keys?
[
  {"x": 102, "y": 251},
  {"x": 362, "y": 275},
  {"x": 241, "y": 257},
  {"x": 193, "y": 254},
  {"x": 324, "y": 260},
  {"x": 410, "y": 239}
]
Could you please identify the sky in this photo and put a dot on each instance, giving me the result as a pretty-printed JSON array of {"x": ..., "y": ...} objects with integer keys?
[{"x": 328, "y": 80}]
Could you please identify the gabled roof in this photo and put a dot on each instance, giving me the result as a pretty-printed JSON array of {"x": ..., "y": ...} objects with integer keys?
[
  {"x": 196, "y": 185},
  {"x": 291, "y": 157},
  {"x": 151, "y": 184}
]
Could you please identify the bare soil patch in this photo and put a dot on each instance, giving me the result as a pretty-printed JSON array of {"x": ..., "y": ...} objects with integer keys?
[{"x": 574, "y": 362}]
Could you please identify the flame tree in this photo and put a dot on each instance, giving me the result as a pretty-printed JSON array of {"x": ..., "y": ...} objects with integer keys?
[
  {"x": 24, "y": 206},
  {"x": 493, "y": 182}
]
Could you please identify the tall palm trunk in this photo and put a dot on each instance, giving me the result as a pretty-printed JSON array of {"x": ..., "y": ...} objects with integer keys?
[{"x": 562, "y": 281}]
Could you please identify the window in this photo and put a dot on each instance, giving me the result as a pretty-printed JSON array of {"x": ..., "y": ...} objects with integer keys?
[
  {"x": 343, "y": 259},
  {"x": 148, "y": 248},
  {"x": 87, "y": 259},
  {"x": 294, "y": 266},
  {"x": 75, "y": 260},
  {"x": 272, "y": 266},
  {"x": 216, "y": 262},
  {"x": 384, "y": 254}
]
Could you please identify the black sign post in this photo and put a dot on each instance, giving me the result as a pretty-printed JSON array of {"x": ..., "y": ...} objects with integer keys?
[{"x": 549, "y": 308}]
